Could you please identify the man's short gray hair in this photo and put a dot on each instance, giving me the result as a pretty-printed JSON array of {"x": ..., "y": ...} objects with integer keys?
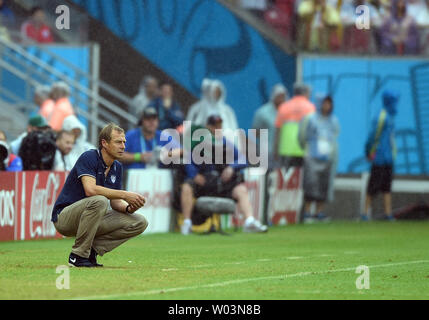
[
  {"x": 61, "y": 85},
  {"x": 301, "y": 89},
  {"x": 146, "y": 79},
  {"x": 42, "y": 91}
]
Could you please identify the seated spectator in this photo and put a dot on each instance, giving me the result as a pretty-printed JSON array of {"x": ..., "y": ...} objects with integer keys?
[
  {"x": 143, "y": 145},
  {"x": 221, "y": 180},
  {"x": 358, "y": 40},
  {"x": 383, "y": 7},
  {"x": 36, "y": 28},
  {"x": 4, "y": 33},
  {"x": 7, "y": 21},
  {"x": 399, "y": 33},
  {"x": 7, "y": 18},
  {"x": 170, "y": 114},
  {"x": 419, "y": 10},
  {"x": 281, "y": 17},
  {"x": 148, "y": 91},
  {"x": 65, "y": 141},
  {"x": 78, "y": 129},
  {"x": 35, "y": 123},
  {"x": 8, "y": 161},
  {"x": 318, "y": 25},
  {"x": 63, "y": 108}
]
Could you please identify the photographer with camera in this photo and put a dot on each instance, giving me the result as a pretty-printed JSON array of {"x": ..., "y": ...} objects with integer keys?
[
  {"x": 211, "y": 178},
  {"x": 8, "y": 160},
  {"x": 36, "y": 122},
  {"x": 37, "y": 147}
]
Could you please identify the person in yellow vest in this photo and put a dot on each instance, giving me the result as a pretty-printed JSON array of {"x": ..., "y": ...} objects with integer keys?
[
  {"x": 288, "y": 152},
  {"x": 63, "y": 108}
]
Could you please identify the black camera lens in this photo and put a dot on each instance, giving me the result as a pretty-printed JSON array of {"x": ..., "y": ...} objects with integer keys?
[{"x": 4, "y": 153}]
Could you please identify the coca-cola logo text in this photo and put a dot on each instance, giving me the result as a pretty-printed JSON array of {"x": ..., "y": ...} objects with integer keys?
[
  {"x": 42, "y": 203},
  {"x": 7, "y": 208}
]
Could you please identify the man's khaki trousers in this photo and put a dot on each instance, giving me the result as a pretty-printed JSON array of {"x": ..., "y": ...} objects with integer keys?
[{"x": 95, "y": 227}]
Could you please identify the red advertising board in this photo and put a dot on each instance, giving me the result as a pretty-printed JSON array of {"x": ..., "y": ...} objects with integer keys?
[
  {"x": 26, "y": 202},
  {"x": 285, "y": 195}
]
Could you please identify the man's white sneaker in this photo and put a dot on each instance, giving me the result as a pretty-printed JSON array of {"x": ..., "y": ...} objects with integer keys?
[
  {"x": 186, "y": 229},
  {"x": 255, "y": 226}
]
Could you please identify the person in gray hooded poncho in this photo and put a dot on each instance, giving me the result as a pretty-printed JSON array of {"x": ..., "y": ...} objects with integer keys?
[
  {"x": 213, "y": 102},
  {"x": 72, "y": 123},
  {"x": 318, "y": 135},
  {"x": 197, "y": 112},
  {"x": 265, "y": 118}
]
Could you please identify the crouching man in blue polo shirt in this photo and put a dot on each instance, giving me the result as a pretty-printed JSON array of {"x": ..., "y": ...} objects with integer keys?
[{"x": 81, "y": 209}]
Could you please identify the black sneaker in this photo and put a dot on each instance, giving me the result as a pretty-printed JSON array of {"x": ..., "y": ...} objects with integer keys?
[
  {"x": 93, "y": 258},
  {"x": 77, "y": 261}
]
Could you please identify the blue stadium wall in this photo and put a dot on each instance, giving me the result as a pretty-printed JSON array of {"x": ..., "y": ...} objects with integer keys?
[
  {"x": 356, "y": 85},
  {"x": 190, "y": 40}
]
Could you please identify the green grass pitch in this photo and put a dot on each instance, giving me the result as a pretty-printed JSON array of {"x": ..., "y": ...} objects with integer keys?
[{"x": 290, "y": 262}]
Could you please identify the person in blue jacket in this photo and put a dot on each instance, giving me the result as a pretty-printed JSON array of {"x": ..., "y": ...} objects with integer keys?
[
  {"x": 207, "y": 176},
  {"x": 169, "y": 112},
  {"x": 380, "y": 149},
  {"x": 144, "y": 144}
]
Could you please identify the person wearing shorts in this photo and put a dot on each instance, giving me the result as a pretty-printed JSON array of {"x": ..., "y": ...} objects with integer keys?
[
  {"x": 211, "y": 178},
  {"x": 380, "y": 150}
]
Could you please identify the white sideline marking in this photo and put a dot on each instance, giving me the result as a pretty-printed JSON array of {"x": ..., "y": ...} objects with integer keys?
[
  {"x": 231, "y": 282},
  {"x": 201, "y": 266},
  {"x": 294, "y": 258},
  {"x": 351, "y": 252},
  {"x": 358, "y": 292},
  {"x": 169, "y": 269}
]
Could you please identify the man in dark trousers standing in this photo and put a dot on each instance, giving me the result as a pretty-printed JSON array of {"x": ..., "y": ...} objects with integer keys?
[
  {"x": 380, "y": 149},
  {"x": 81, "y": 209}
]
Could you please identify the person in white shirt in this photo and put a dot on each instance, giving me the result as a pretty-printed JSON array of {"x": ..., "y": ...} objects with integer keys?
[
  {"x": 72, "y": 124},
  {"x": 65, "y": 141}
]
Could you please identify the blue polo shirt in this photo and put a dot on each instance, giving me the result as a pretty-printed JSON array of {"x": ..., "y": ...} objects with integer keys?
[
  {"x": 240, "y": 162},
  {"x": 90, "y": 163},
  {"x": 136, "y": 143}
]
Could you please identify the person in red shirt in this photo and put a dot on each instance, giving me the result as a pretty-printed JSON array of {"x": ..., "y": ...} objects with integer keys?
[{"x": 36, "y": 29}]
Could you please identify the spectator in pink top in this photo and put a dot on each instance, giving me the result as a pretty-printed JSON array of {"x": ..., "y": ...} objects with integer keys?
[{"x": 43, "y": 100}]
